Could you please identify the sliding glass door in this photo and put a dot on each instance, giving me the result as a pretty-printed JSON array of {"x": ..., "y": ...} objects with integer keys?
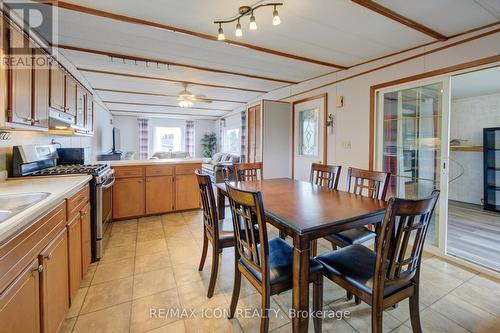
[{"x": 412, "y": 140}]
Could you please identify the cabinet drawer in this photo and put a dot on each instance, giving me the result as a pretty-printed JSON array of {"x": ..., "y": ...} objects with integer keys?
[
  {"x": 186, "y": 169},
  {"x": 125, "y": 172},
  {"x": 77, "y": 201},
  {"x": 160, "y": 170}
]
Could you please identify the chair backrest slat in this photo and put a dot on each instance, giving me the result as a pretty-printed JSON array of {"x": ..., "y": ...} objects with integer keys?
[
  {"x": 248, "y": 171},
  {"x": 248, "y": 213},
  {"x": 398, "y": 253},
  {"x": 325, "y": 175},
  {"x": 373, "y": 184},
  {"x": 208, "y": 204}
]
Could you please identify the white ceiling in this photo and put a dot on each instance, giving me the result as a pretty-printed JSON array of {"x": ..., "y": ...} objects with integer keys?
[
  {"x": 478, "y": 83},
  {"x": 334, "y": 31}
]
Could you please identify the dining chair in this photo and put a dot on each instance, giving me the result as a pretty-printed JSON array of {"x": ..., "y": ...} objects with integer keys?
[
  {"x": 266, "y": 263},
  {"x": 325, "y": 175},
  {"x": 248, "y": 171},
  {"x": 218, "y": 232},
  {"x": 390, "y": 274},
  {"x": 367, "y": 183}
]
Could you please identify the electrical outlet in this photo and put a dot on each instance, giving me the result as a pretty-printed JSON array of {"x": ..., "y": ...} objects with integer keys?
[{"x": 346, "y": 144}]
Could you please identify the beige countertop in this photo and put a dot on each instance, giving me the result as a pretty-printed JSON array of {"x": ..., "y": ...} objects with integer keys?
[
  {"x": 156, "y": 161},
  {"x": 59, "y": 187}
]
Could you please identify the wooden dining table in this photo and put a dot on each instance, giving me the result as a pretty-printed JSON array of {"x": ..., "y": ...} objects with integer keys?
[{"x": 307, "y": 212}]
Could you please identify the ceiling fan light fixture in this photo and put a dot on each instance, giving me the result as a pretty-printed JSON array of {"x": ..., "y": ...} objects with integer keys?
[
  {"x": 185, "y": 103},
  {"x": 276, "y": 17},
  {"x": 253, "y": 24},
  {"x": 238, "y": 32}
]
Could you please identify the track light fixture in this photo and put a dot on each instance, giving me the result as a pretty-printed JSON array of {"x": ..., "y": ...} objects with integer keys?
[
  {"x": 245, "y": 11},
  {"x": 220, "y": 35}
]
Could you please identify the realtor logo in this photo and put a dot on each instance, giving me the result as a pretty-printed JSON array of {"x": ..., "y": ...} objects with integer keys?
[{"x": 36, "y": 19}]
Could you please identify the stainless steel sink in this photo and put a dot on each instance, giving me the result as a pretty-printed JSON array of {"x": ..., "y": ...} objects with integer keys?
[{"x": 12, "y": 204}]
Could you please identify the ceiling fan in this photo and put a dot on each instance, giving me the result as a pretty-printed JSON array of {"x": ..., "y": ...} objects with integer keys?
[{"x": 186, "y": 98}]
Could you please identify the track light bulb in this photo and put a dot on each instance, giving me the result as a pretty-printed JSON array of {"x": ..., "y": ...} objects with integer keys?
[
  {"x": 238, "y": 32},
  {"x": 276, "y": 17},
  {"x": 253, "y": 24},
  {"x": 220, "y": 35}
]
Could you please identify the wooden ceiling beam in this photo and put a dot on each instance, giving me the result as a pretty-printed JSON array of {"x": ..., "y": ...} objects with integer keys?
[
  {"x": 136, "y": 76},
  {"x": 166, "y": 105},
  {"x": 166, "y": 95},
  {"x": 170, "y": 63},
  {"x": 128, "y": 19},
  {"x": 372, "y": 5}
]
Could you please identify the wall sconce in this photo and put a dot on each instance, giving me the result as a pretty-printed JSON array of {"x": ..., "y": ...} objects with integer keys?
[{"x": 329, "y": 121}]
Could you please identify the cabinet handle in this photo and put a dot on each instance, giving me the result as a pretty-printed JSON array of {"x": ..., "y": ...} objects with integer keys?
[
  {"x": 39, "y": 269},
  {"x": 49, "y": 256}
]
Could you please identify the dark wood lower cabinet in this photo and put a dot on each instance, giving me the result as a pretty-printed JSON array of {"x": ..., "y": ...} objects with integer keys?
[
  {"x": 20, "y": 303},
  {"x": 54, "y": 283}
]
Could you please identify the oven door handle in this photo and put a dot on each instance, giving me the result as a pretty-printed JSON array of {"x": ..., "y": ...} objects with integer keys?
[{"x": 108, "y": 183}]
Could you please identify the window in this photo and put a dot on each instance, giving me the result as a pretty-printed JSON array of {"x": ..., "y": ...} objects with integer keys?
[
  {"x": 232, "y": 143},
  {"x": 167, "y": 139},
  {"x": 308, "y": 132}
]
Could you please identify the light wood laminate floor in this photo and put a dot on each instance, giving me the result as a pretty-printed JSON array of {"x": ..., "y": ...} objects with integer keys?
[
  {"x": 474, "y": 234},
  {"x": 151, "y": 264}
]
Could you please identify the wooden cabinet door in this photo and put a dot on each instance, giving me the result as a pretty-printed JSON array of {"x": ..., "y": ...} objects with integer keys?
[
  {"x": 258, "y": 135},
  {"x": 128, "y": 197},
  {"x": 20, "y": 303},
  {"x": 89, "y": 116},
  {"x": 54, "y": 283},
  {"x": 70, "y": 101},
  {"x": 41, "y": 103},
  {"x": 159, "y": 194},
  {"x": 57, "y": 88},
  {"x": 80, "y": 107},
  {"x": 21, "y": 76},
  {"x": 86, "y": 240},
  {"x": 251, "y": 135},
  {"x": 74, "y": 254},
  {"x": 187, "y": 194}
]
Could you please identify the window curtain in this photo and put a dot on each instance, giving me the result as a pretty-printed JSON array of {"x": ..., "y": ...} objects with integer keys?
[
  {"x": 143, "y": 127},
  {"x": 243, "y": 136},
  {"x": 190, "y": 137},
  {"x": 222, "y": 131}
]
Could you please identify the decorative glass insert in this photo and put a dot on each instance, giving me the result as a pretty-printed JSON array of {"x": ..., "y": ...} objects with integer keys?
[{"x": 309, "y": 132}]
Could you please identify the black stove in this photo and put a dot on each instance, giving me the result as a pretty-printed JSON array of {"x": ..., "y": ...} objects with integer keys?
[{"x": 90, "y": 169}]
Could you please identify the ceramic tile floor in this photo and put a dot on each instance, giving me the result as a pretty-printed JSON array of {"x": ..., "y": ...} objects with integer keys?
[{"x": 150, "y": 264}]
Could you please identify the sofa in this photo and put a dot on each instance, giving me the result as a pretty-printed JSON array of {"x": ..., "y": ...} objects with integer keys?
[{"x": 214, "y": 167}]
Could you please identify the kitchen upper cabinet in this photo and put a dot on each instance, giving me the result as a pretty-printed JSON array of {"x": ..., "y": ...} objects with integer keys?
[
  {"x": 86, "y": 240},
  {"x": 128, "y": 197},
  {"x": 57, "y": 88},
  {"x": 70, "y": 101},
  {"x": 74, "y": 228},
  {"x": 21, "y": 76},
  {"x": 89, "y": 116},
  {"x": 54, "y": 283},
  {"x": 159, "y": 194},
  {"x": 41, "y": 94},
  {"x": 20, "y": 302},
  {"x": 80, "y": 107}
]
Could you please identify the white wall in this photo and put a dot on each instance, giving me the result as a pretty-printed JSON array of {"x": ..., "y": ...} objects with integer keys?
[
  {"x": 485, "y": 111},
  {"x": 129, "y": 132},
  {"x": 99, "y": 143},
  {"x": 352, "y": 122}
]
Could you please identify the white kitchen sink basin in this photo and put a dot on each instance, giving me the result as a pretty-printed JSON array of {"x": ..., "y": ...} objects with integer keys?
[{"x": 12, "y": 204}]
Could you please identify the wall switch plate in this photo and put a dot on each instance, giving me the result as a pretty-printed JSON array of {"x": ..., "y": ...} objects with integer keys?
[
  {"x": 346, "y": 144},
  {"x": 3, "y": 175},
  {"x": 339, "y": 101}
]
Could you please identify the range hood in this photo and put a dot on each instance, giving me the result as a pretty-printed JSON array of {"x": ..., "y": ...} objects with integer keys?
[{"x": 60, "y": 120}]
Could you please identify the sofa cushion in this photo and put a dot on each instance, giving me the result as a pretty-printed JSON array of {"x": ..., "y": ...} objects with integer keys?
[
  {"x": 162, "y": 154},
  {"x": 216, "y": 158}
]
